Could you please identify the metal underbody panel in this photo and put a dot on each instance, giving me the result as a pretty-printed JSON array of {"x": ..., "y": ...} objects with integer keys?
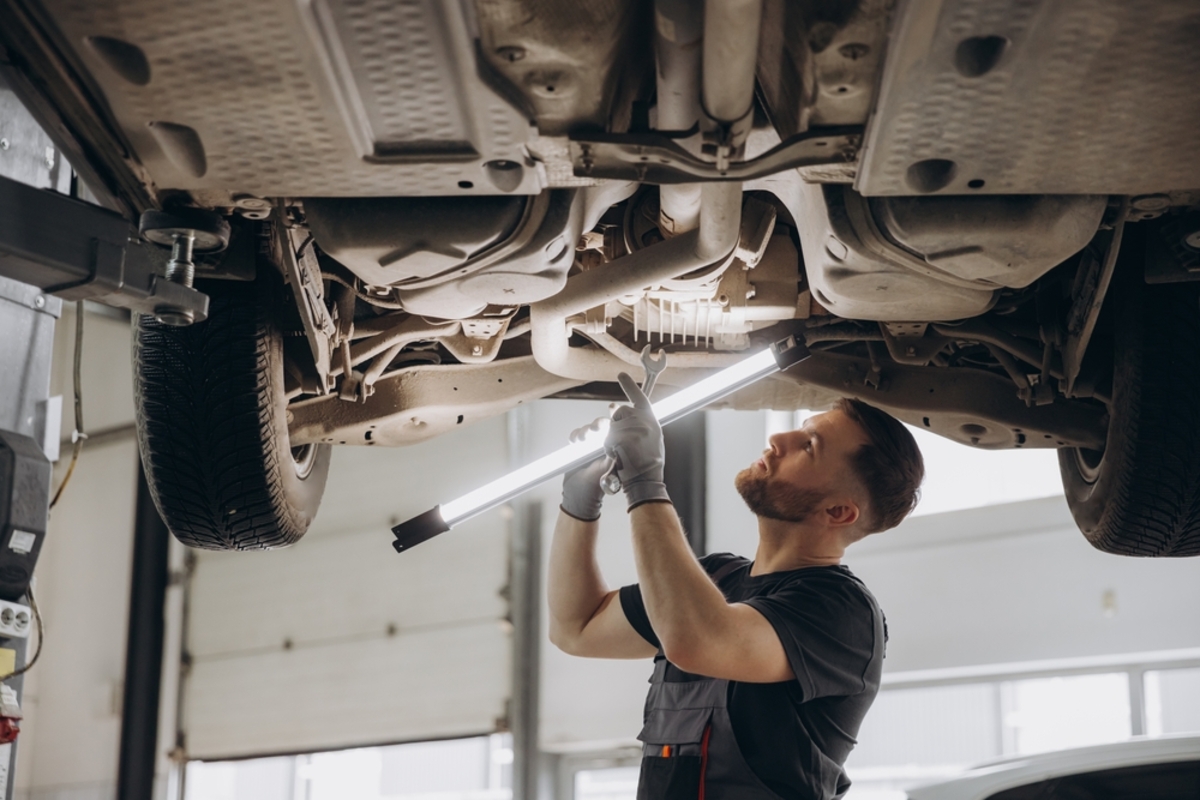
[
  {"x": 970, "y": 406},
  {"x": 1037, "y": 97},
  {"x": 423, "y": 402},
  {"x": 312, "y": 98}
]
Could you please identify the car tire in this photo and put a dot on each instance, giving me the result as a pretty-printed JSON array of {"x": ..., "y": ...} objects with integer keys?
[
  {"x": 1141, "y": 495},
  {"x": 212, "y": 424}
]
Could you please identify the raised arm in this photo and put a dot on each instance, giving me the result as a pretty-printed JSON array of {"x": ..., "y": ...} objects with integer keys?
[
  {"x": 699, "y": 630},
  {"x": 586, "y": 618}
]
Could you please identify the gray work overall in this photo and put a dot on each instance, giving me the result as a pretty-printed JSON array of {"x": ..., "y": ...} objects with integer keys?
[{"x": 688, "y": 748}]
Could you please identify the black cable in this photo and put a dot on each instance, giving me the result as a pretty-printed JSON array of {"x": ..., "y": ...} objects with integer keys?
[{"x": 78, "y": 436}]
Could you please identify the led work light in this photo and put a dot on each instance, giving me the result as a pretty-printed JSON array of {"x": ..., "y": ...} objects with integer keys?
[{"x": 440, "y": 519}]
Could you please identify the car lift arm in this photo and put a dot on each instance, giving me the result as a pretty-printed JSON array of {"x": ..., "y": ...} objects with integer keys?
[{"x": 77, "y": 251}]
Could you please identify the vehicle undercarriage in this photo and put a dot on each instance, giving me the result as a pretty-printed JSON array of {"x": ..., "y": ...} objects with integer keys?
[{"x": 980, "y": 216}]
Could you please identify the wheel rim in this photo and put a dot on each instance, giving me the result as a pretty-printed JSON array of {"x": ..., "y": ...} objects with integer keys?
[
  {"x": 303, "y": 458},
  {"x": 1089, "y": 463}
]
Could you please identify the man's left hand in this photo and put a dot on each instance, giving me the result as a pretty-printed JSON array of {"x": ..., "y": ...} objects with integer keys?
[{"x": 635, "y": 440}]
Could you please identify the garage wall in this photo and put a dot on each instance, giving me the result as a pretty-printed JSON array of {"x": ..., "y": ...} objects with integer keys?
[
  {"x": 338, "y": 641},
  {"x": 1018, "y": 582}
]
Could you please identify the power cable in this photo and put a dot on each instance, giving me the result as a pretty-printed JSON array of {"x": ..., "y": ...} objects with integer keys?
[{"x": 78, "y": 436}]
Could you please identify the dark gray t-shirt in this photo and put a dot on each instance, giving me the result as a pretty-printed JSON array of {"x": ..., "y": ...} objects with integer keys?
[{"x": 796, "y": 735}]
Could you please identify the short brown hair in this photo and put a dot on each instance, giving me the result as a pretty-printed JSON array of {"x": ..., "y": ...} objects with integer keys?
[{"x": 889, "y": 465}]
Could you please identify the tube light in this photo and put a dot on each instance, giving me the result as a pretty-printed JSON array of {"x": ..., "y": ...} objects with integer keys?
[{"x": 442, "y": 518}]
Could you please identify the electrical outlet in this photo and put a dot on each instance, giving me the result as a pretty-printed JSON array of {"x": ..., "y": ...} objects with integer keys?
[{"x": 15, "y": 620}]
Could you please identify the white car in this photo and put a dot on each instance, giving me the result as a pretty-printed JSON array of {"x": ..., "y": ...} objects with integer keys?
[{"x": 1162, "y": 768}]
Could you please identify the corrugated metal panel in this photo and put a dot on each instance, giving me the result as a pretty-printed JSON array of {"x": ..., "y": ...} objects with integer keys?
[
  {"x": 338, "y": 641},
  {"x": 283, "y": 98},
  {"x": 436, "y": 683}
]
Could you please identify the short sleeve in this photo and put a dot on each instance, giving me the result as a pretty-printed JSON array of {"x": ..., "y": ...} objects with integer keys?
[
  {"x": 635, "y": 608},
  {"x": 828, "y": 628},
  {"x": 635, "y": 612}
]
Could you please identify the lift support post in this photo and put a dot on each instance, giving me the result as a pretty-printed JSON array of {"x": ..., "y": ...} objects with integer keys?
[{"x": 53, "y": 248}]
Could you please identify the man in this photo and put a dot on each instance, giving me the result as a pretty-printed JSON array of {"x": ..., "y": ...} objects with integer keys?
[{"x": 764, "y": 669}]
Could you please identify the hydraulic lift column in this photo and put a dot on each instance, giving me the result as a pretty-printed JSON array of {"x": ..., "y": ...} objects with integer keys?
[
  {"x": 53, "y": 247},
  {"x": 29, "y": 433}
]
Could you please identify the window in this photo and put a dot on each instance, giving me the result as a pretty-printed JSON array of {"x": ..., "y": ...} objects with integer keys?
[
  {"x": 921, "y": 735},
  {"x": 1172, "y": 701},
  {"x": 1043, "y": 714},
  {"x": 479, "y": 768},
  {"x": 610, "y": 783}
]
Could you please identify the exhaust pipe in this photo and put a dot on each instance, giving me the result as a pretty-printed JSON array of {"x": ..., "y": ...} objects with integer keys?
[{"x": 730, "y": 52}]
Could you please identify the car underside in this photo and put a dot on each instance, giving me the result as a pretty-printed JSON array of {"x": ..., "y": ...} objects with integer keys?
[{"x": 983, "y": 217}]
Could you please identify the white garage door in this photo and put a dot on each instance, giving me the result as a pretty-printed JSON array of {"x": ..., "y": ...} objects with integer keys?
[{"x": 338, "y": 641}]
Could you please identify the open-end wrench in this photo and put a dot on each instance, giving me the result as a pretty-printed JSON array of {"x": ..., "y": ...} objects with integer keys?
[{"x": 653, "y": 366}]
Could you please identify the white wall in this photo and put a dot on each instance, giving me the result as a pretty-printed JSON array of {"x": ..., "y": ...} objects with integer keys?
[{"x": 1018, "y": 582}]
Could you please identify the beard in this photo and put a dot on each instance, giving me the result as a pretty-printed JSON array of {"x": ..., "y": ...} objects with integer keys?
[{"x": 776, "y": 500}]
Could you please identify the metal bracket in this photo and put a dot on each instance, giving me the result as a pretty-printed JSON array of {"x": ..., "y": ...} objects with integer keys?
[
  {"x": 912, "y": 342},
  {"x": 78, "y": 251},
  {"x": 304, "y": 276},
  {"x": 656, "y": 158},
  {"x": 1081, "y": 320}
]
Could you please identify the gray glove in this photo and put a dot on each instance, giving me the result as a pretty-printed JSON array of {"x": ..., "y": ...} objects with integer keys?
[
  {"x": 635, "y": 440},
  {"x": 582, "y": 494}
]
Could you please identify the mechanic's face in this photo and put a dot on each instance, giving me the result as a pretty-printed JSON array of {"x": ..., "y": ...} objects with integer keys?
[{"x": 803, "y": 469}]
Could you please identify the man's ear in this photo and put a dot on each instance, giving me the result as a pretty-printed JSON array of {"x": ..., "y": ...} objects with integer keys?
[{"x": 844, "y": 513}]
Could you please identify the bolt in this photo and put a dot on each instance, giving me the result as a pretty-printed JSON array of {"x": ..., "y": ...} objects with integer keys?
[
  {"x": 1150, "y": 202},
  {"x": 511, "y": 53},
  {"x": 251, "y": 202},
  {"x": 911, "y": 351},
  {"x": 180, "y": 268},
  {"x": 1192, "y": 240},
  {"x": 39, "y": 301},
  {"x": 477, "y": 350},
  {"x": 3, "y": 144}
]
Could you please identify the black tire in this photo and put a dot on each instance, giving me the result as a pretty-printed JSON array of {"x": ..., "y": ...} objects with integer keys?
[
  {"x": 212, "y": 424},
  {"x": 1141, "y": 496}
]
